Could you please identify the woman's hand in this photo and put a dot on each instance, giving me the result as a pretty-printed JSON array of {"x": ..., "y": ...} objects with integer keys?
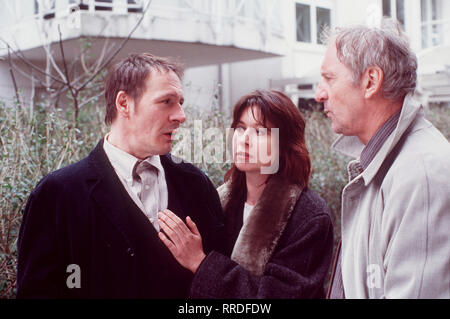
[{"x": 184, "y": 243}]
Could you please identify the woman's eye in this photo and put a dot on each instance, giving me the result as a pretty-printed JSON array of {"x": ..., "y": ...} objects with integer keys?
[
  {"x": 261, "y": 131},
  {"x": 166, "y": 101},
  {"x": 239, "y": 130}
]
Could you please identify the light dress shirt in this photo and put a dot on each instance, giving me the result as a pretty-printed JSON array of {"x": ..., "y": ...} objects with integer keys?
[{"x": 144, "y": 180}]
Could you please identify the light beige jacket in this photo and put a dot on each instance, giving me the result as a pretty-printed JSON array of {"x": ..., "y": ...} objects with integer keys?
[{"x": 396, "y": 214}]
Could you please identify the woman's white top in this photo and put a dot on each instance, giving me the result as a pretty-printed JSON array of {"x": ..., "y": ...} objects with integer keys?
[{"x": 247, "y": 209}]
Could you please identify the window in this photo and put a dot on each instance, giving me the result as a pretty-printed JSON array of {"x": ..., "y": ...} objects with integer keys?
[
  {"x": 400, "y": 6},
  {"x": 83, "y": 4},
  {"x": 134, "y": 6},
  {"x": 395, "y": 9},
  {"x": 45, "y": 7},
  {"x": 303, "y": 23},
  {"x": 323, "y": 21},
  {"x": 108, "y": 5},
  {"x": 386, "y": 8},
  {"x": 433, "y": 25},
  {"x": 103, "y": 5},
  {"x": 310, "y": 22}
]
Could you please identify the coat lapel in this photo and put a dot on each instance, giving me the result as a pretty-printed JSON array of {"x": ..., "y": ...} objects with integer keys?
[
  {"x": 106, "y": 191},
  {"x": 263, "y": 228},
  {"x": 171, "y": 175}
]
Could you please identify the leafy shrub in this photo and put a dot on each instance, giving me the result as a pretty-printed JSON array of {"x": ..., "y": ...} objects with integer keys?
[{"x": 34, "y": 144}]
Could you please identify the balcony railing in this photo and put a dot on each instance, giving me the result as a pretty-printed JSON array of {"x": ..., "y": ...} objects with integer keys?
[
  {"x": 263, "y": 13},
  {"x": 110, "y": 5},
  {"x": 221, "y": 22}
]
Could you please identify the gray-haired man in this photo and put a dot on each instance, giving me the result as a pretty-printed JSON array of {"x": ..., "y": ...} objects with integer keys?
[{"x": 396, "y": 206}]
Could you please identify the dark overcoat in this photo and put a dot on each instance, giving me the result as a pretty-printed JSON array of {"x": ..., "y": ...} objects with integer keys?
[
  {"x": 82, "y": 215},
  {"x": 283, "y": 250}
]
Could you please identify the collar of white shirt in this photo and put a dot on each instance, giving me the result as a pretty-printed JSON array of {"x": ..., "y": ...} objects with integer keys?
[{"x": 124, "y": 162}]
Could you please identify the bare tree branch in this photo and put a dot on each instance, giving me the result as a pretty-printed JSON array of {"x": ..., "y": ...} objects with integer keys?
[
  {"x": 66, "y": 77},
  {"x": 72, "y": 90},
  {"x": 12, "y": 75},
  {"x": 119, "y": 48},
  {"x": 76, "y": 80},
  {"x": 33, "y": 89},
  {"x": 52, "y": 61},
  {"x": 21, "y": 56},
  {"x": 90, "y": 99},
  {"x": 102, "y": 56},
  {"x": 83, "y": 64},
  {"x": 96, "y": 66},
  {"x": 19, "y": 70}
]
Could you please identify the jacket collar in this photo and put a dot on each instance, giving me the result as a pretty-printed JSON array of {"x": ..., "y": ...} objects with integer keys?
[
  {"x": 352, "y": 146},
  {"x": 264, "y": 226}
]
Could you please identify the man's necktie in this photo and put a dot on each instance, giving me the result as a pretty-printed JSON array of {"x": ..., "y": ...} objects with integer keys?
[{"x": 147, "y": 176}]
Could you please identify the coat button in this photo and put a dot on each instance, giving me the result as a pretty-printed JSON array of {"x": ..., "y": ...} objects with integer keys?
[{"x": 130, "y": 252}]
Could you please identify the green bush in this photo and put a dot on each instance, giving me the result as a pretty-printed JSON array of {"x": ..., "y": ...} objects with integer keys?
[
  {"x": 34, "y": 144},
  {"x": 439, "y": 115}
]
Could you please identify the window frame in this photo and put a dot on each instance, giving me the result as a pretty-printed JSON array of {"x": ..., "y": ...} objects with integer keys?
[
  {"x": 394, "y": 11},
  {"x": 313, "y": 5},
  {"x": 429, "y": 22}
]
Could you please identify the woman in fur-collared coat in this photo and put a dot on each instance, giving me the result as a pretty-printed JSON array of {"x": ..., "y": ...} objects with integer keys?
[{"x": 279, "y": 232}]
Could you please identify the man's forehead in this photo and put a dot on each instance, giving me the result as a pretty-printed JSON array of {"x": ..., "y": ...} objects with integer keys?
[
  {"x": 330, "y": 55},
  {"x": 164, "y": 81},
  {"x": 331, "y": 62}
]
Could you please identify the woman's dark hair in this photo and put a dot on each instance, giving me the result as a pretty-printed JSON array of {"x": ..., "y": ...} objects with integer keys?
[{"x": 277, "y": 109}]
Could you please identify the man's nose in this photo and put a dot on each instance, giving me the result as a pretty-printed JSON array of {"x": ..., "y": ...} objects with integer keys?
[
  {"x": 179, "y": 115},
  {"x": 321, "y": 95}
]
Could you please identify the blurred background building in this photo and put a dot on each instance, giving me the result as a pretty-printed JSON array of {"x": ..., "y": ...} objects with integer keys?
[{"x": 229, "y": 47}]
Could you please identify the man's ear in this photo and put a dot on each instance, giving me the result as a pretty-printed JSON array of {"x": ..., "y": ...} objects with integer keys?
[
  {"x": 373, "y": 80},
  {"x": 123, "y": 104}
]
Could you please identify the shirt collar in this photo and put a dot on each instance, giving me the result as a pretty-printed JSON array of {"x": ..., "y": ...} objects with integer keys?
[
  {"x": 124, "y": 162},
  {"x": 378, "y": 139},
  {"x": 155, "y": 161}
]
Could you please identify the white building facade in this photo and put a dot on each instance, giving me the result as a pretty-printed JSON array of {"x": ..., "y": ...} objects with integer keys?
[{"x": 229, "y": 47}]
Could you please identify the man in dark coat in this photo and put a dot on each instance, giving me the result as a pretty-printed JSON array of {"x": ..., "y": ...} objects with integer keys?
[{"x": 89, "y": 230}]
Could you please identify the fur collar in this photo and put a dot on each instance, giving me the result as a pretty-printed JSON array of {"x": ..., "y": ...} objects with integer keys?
[{"x": 263, "y": 228}]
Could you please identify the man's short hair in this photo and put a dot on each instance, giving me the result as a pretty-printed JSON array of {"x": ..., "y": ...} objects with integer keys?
[
  {"x": 361, "y": 47},
  {"x": 130, "y": 74}
]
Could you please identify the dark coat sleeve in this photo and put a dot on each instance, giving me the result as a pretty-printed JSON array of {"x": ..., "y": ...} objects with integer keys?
[
  {"x": 297, "y": 268},
  {"x": 216, "y": 239},
  {"x": 40, "y": 273}
]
